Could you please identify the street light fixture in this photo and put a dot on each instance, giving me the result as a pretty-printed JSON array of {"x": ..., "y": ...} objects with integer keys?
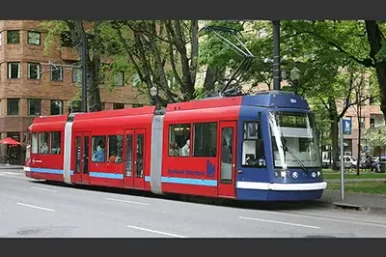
[
  {"x": 295, "y": 74},
  {"x": 294, "y": 77},
  {"x": 154, "y": 93}
]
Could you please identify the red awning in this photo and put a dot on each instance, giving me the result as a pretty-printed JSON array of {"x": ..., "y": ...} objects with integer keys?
[{"x": 9, "y": 141}]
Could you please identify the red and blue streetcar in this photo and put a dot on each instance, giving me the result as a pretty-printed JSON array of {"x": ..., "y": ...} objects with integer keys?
[{"x": 259, "y": 147}]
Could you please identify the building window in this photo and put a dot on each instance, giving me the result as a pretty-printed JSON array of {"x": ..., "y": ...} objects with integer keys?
[
  {"x": 372, "y": 123},
  {"x": 179, "y": 134},
  {"x": 117, "y": 106},
  {"x": 13, "y": 70},
  {"x": 362, "y": 122},
  {"x": 33, "y": 70},
  {"x": 33, "y": 38},
  {"x": 66, "y": 39},
  {"x": 137, "y": 105},
  {"x": 76, "y": 75},
  {"x": 56, "y": 107},
  {"x": 205, "y": 140},
  {"x": 119, "y": 79},
  {"x": 34, "y": 107},
  {"x": 13, "y": 36},
  {"x": 13, "y": 106},
  {"x": 56, "y": 73}
]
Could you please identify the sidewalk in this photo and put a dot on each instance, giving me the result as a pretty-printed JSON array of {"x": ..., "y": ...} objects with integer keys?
[
  {"x": 362, "y": 202},
  {"x": 5, "y": 167}
]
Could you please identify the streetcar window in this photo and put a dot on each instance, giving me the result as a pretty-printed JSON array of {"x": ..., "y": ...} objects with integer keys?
[
  {"x": 179, "y": 140},
  {"x": 55, "y": 142},
  {"x": 44, "y": 142},
  {"x": 98, "y": 146},
  {"x": 205, "y": 139},
  {"x": 115, "y": 148},
  {"x": 34, "y": 144},
  {"x": 253, "y": 146}
]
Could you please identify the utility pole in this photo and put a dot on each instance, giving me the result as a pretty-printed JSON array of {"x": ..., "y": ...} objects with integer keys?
[
  {"x": 341, "y": 125},
  {"x": 84, "y": 69},
  {"x": 276, "y": 55}
]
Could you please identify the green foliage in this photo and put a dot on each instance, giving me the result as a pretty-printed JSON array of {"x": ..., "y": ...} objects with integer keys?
[
  {"x": 54, "y": 28},
  {"x": 376, "y": 137}
]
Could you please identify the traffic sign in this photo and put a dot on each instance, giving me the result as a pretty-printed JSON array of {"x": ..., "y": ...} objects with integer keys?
[{"x": 347, "y": 126}]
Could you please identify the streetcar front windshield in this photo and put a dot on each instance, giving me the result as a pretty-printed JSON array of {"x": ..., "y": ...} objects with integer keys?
[{"x": 295, "y": 142}]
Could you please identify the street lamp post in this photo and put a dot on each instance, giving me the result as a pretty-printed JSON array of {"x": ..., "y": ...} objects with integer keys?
[
  {"x": 276, "y": 55},
  {"x": 84, "y": 69},
  {"x": 153, "y": 94},
  {"x": 295, "y": 76}
]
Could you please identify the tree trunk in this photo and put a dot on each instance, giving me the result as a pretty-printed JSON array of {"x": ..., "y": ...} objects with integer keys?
[
  {"x": 359, "y": 146},
  {"x": 333, "y": 115},
  {"x": 94, "y": 97},
  {"x": 335, "y": 143},
  {"x": 374, "y": 36}
]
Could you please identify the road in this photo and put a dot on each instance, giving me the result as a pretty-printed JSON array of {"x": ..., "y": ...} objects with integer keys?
[{"x": 35, "y": 209}]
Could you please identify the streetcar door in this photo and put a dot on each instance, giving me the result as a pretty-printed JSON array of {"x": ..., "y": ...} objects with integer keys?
[
  {"x": 128, "y": 149},
  {"x": 135, "y": 158},
  {"x": 227, "y": 159},
  {"x": 82, "y": 153},
  {"x": 139, "y": 159}
]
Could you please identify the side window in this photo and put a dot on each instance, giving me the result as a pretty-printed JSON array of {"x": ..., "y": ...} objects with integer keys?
[
  {"x": 115, "y": 149},
  {"x": 34, "y": 143},
  {"x": 44, "y": 142},
  {"x": 205, "y": 139},
  {"x": 253, "y": 146},
  {"x": 55, "y": 142},
  {"x": 179, "y": 140},
  {"x": 98, "y": 147}
]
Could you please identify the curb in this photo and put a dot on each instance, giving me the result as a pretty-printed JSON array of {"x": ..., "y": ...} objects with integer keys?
[{"x": 360, "y": 208}]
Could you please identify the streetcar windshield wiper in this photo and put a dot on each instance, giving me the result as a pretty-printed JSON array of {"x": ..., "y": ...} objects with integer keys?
[{"x": 286, "y": 149}]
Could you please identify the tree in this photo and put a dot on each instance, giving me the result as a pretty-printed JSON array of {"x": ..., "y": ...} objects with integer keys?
[
  {"x": 329, "y": 73},
  {"x": 71, "y": 31},
  {"x": 162, "y": 54},
  {"x": 376, "y": 139}
]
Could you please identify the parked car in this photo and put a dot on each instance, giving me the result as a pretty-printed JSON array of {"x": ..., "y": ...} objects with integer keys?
[{"x": 348, "y": 162}]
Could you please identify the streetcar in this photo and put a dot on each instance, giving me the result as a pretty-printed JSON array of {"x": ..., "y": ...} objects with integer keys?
[
  {"x": 229, "y": 145},
  {"x": 261, "y": 147}
]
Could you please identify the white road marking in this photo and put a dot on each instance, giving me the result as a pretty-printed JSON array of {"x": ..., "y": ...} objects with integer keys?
[
  {"x": 124, "y": 201},
  {"x": 35, "y": 207},
  {"x": 13, "y": 173},
  {"x": 280, "y": 222},
  {"x": 155, "y": 231},
  {"x": 44, "y": 189},
  {"x": 335, "y": 219}
]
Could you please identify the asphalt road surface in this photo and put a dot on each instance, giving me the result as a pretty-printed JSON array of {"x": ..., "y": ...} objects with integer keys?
[{"x": 36, "y": 209}]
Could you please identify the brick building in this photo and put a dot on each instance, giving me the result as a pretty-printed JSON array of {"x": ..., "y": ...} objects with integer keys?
[
  {"x": 371, "y": 116},
  {"x": 30, "y": 86}
]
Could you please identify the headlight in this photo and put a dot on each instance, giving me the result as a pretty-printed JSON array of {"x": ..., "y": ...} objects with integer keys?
[
  {"x": 319, "y": 173},
  {"x": 295, "y": 175},
  {"x": 313, "y": 174}
]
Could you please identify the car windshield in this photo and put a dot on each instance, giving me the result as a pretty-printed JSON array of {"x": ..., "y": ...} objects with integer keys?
[{"x": 294, "y": 140}]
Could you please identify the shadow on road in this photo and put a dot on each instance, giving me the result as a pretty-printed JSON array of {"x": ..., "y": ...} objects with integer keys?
[{"x": 255, "y": 205}]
